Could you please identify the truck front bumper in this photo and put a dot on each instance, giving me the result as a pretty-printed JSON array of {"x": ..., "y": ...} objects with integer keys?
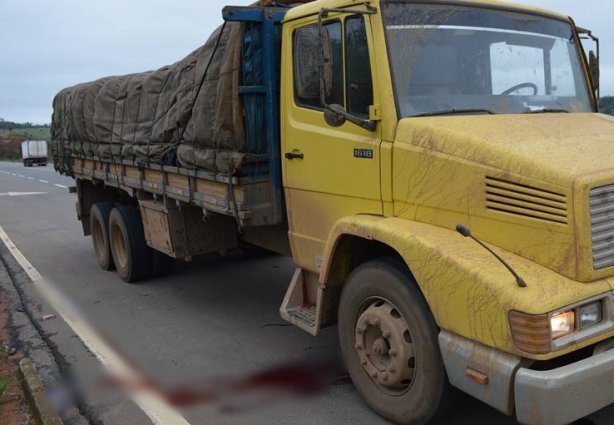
[
  {"x": 554, "y": 397},
  {"x": 565, "y": 394}
]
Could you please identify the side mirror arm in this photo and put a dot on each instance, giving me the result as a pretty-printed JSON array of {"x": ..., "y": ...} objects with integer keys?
[
  {"x": 593, "y": 61},
  {"x": 336, "y": 115}
]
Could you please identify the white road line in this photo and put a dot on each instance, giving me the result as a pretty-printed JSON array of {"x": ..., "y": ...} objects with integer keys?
[
  {"x": 13, "y": 174},
  {"x": 43, "y": 181},
  {"x": 22, "y": 194},
  {"x": 61, "y": 186},
  {"x": 23, "y": 177},
  {"x": 157, "y": 409},
  {"x": 31, "y": 178},
  {"x": 19, "y": 257}
]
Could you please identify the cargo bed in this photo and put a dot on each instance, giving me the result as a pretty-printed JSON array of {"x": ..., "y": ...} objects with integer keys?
[{"x": 247, "y": 199}]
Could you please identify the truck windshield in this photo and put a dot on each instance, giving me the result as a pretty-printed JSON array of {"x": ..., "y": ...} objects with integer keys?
[{"x": 458, "y": 59}]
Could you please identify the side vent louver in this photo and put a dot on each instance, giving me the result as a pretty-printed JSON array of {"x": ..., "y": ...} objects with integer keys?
[
  {"x": 525, "y": 201},
  {"x": 602, "y": 226}
]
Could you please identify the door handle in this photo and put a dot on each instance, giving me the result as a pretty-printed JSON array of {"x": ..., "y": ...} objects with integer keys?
[{"x": 294, "y": 155}]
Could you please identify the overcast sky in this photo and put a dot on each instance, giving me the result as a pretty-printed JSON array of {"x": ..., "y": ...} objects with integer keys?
[{"x": 48, "y": 45}]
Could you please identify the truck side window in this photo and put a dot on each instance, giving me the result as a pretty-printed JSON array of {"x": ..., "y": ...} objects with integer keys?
[
  {"x": 336, "y": 39},
  {"x": 359, "y": 84}
]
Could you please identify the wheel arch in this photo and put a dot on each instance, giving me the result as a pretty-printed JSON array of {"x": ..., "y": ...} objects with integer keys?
[
  {"x": 444, "y": 266},
  {"x": 353, "y": 243},
  {"x": 425, "y": 250},
  {"x": 350, "y": 252}
]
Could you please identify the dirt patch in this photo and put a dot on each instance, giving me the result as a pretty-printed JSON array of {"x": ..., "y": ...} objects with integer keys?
[
  {"x": 14, "y": 408},
  {"x": 10, "y": 147}
]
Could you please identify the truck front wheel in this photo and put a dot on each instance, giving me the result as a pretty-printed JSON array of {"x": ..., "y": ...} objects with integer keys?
[
  {"x": 128, "y": 246},
  {"x": 389, "y": 343},
  {"x": 99, "y": 224}
]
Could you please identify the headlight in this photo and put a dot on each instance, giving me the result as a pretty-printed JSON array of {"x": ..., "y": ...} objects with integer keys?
[
  {"x": 545, "y": 333},
  {"x": 563, "y": 324},
  {"x": 591, "y": 315}
]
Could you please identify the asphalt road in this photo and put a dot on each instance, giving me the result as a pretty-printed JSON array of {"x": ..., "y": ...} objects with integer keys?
[{"x": 211, "y": 323}]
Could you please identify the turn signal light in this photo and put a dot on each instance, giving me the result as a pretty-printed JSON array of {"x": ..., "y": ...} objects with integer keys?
[{"x": 531, "y": 333}]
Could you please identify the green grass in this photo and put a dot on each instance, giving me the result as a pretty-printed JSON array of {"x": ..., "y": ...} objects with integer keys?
[{"x": 35, "y": 133}]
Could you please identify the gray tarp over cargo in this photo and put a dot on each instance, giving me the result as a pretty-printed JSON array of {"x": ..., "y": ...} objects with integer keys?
[{"x": 187, "y": 114}]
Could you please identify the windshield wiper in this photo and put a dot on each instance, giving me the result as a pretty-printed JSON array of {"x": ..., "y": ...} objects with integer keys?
[
  {"x": 548, "y": 111},
  {"x": 454, "y": 111}
]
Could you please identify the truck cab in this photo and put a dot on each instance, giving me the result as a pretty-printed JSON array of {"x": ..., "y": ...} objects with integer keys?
[{"x": 448, "y": 178}]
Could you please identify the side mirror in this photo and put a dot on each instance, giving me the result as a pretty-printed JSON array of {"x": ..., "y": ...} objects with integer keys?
[
  {"x": 307, "y": 61},
  {"x": 593, "y": 56},
  {"x": 593, "y": 63},
  {"x": 334, "y": 115}
]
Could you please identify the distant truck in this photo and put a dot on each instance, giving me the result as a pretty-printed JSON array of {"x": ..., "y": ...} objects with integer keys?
[
  {"x": 374, "y": 142},
  {"x": 34, "y": 152}
]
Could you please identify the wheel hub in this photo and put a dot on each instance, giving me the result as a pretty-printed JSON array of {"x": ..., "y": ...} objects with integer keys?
[
  {"x": 384, "y": 346},
  {"x": 380, "y": 347}
]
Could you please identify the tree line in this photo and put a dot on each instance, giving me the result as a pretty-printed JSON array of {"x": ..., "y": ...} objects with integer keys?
[
  {"x": 606, "y": 105},
  {"x": 10, "y": 125}
]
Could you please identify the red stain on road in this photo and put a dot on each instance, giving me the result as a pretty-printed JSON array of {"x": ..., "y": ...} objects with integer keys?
[{"x": 232, "y": 394}]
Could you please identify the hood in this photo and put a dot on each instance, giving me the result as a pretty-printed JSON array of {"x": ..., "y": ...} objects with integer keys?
[
  {"x": 523, "y": 183},
  {"x": 555, "y": 148}
]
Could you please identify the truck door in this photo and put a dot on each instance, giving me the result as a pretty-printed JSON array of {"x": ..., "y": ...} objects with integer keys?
[{"x": 329, "y": 172}]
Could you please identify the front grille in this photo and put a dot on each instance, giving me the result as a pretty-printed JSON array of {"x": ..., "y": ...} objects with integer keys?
[
  {"x": 529, "y": 202},
  {"x": 602, "y": 226}
]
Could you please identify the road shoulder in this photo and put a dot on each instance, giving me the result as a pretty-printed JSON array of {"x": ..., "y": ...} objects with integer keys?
[{"x": 24, "y": 336}]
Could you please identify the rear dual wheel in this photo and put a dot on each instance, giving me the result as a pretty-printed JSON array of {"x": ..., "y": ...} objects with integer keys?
[
  {"x": 128, "y": 247},
  {"x": 389, "y": 342},
  {"x": 133, "y": 258},
  {"x": 99, "y": 226}
]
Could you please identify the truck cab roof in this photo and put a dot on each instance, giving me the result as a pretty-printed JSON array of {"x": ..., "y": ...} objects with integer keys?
[{"x": 314, "y": 7}]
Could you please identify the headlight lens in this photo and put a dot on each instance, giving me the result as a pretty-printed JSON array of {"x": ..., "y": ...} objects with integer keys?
[
  {"x": 563, "y": 324},
  {"x": 591, "y": 315}
]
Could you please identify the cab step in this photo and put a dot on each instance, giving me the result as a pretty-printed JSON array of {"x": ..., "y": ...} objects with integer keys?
[
  {"x": 304, "y": 314},
  {"x": 308, "y": 304}
]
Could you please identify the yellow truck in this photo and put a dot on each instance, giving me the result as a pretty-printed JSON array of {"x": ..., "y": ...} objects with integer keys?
[{"x": 438, "y": 171}]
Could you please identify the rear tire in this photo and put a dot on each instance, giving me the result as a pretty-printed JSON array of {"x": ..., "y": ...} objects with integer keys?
[
  {"x": 128, "y": 246},
  {"x": 99, "y": 225},
  {"x": 389, "y": 342}
]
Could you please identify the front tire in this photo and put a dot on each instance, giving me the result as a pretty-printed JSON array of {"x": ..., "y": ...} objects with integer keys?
[
  {"x": 389, "y": 342},
  {"x": 128, "y": 246}
]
